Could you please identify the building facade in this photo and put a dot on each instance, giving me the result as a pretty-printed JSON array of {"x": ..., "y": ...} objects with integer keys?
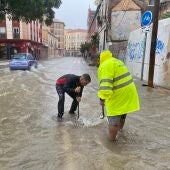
[
  {"x": 73, "y": 41},
  {"x": 91, "y": 24},
  {"x": 17, "y": 36},
  {"x": 49, "y": 41},
  {"x": 115, "y": 21},
  {"x": 57, "y": 29}
]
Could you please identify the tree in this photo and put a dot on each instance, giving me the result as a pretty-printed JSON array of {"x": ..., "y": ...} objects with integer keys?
[
  {"x": 82, "y": 48},
  {"x": 29, "y": 10},
  {"x": 95, "y": 39},
  {"x": 85, "y": 48},
  {"x": 90, "y": 46}
]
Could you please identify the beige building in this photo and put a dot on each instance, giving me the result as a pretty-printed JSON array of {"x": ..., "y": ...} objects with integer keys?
[
  {"x": 52, "y": 45},
  {"x": 57, "y": 29},
  {"x": 31, "y": 31},
  {"x": 73, "y": 40},
  {"x": 49, "y": 41},
  {"x": 45, "y": 30}
]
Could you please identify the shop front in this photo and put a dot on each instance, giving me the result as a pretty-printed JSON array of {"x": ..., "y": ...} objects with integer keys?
[{"x": 9, "y": 47}]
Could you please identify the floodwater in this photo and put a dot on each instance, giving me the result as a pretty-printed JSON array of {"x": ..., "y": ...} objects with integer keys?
[{"x": 31, "y": 138}]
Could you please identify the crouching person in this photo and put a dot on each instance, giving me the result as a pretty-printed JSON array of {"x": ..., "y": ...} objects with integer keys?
[{"x": 72, "y": 85}]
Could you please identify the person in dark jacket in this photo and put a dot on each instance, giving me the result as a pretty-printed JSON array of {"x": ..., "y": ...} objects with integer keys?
[{"x": 72, "y": 85}]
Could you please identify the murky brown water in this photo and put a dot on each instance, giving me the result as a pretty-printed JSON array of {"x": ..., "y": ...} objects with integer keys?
[{"x": 31, "y": 139}]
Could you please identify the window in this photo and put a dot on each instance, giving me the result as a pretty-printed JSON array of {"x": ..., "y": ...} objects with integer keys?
[
  {"x": 2, "y": 32},
  {"x": 30, "y": 57},
  {"x": 19, "y": 56},
  {"x": 16, "y": 32}
]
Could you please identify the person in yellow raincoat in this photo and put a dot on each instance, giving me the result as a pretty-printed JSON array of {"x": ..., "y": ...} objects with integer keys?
[{"x": 117, "y": 91}]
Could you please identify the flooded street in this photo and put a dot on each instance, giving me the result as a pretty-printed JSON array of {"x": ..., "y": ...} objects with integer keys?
[{"x": 31, "y": 139}]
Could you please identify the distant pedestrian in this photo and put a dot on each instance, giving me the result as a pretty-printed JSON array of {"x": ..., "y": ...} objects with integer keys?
[
  {"x": 117, "y": 91},
  {"x": 72, "y": 85}
]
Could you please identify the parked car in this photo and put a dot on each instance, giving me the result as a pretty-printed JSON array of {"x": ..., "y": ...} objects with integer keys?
[{"x": 22, "y": 61}]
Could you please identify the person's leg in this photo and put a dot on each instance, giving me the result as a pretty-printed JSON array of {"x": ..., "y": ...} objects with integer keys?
[
  {"x": 73, "y": 106},
  {"x": 74, "y": 103},
  {"x": 122, "y": 121},
  {"x": 61, "y": 101},
  {"x": 114, "y": 126},
  {"x": 113, "y": 130}
]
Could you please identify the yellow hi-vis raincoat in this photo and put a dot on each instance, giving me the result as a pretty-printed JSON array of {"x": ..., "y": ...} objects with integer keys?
[{"x": 116, "y": 86}]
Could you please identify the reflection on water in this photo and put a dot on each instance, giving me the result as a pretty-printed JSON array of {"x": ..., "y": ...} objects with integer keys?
[{"x": 31, "y": 139}]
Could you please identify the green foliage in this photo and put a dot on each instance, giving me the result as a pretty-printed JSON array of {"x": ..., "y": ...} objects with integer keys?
[
  {"x": 28, "y": 10},
  {"x": 82, "y": 48},
  {"x": 166, "y": 15},
  {"x": 95, "y": 39},
  {"x": 85, "y": 47}
]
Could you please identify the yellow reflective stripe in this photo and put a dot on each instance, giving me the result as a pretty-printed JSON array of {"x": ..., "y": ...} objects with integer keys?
[
  {"x": 116, "y": 87},
  {"x": 115, "y": 79},
  {"x": 105, "y": 88},
  {"x": 120, "y": 77},
  {"x": 106, "y": 81},
  {"x": 122, "y": 85}
]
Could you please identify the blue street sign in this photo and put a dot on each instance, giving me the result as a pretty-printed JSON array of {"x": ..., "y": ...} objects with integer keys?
[{"x": 146, "y": 18}]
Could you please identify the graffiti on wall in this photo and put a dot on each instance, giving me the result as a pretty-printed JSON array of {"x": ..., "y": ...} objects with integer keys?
[
  {"x": 135, "y": 50},
  {"x": 159, "y": 47}
]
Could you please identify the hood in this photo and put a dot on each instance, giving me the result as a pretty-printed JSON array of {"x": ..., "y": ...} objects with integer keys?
[{"x": 105, "y": 55}]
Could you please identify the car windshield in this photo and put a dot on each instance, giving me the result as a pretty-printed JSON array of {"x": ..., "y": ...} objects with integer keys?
[{"x": 19, "y": 56}]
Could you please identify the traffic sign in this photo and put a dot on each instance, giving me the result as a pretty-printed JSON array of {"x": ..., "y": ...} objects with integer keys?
[{"x": 146, "y": 18}]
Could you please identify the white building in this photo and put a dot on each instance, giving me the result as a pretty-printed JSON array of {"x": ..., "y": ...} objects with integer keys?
[{"x": 73, "y": 40}]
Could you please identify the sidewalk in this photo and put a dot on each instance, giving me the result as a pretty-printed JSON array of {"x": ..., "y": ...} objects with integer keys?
[
  {"x": 157, "y": 89},
  {"x": 4, "y": 64}
]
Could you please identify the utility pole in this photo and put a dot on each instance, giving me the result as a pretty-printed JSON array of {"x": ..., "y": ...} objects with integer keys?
[{"x": 153, "y": 43}]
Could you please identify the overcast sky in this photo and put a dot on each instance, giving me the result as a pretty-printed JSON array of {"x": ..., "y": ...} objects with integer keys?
[{"x": 74, "y": 13}]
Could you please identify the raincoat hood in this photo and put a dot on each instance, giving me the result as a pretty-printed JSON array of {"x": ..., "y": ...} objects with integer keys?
[{"x": 105, "y": 55}]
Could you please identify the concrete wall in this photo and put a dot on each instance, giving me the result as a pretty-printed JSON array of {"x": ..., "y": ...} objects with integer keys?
[
  {"x": 44, "y": 52},
  {"x": 123, "y": 22},
  {"x": 138, "y": 54}
]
